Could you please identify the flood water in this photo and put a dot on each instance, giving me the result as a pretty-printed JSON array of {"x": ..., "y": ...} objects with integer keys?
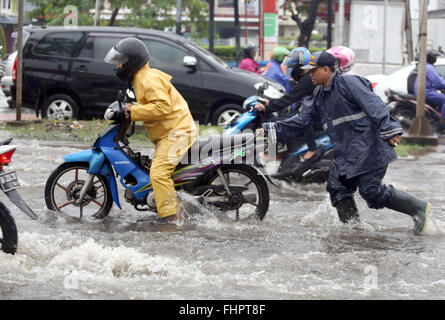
[{"x": 299, "y": 251}]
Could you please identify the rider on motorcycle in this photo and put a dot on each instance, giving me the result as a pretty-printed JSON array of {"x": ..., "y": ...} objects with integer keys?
[
  {"x": 301, "y": 88},
  {"x": 344, "y": 61},
  {"x": 363, "y": 134},
  {"x": 344, "y": 56},
  {"x": 433, "y": 83},
  {"x": 275, "y": 71},
  {"x": 249, "y": 63},
  {"x": 165, "y": 114}
]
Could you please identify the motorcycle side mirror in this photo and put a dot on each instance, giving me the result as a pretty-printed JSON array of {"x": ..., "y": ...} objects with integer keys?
[
  {"x": 130, "y": 94},
  {"x": 263, "y": 87},
  {"x": 120, "y": 96}
]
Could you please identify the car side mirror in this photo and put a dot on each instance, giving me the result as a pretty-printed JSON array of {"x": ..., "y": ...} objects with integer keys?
[
  {"x": 190, "y": 62},
  {"x": 120, "y": 96}
]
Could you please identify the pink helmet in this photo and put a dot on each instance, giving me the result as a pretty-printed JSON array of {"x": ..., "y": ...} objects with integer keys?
[{"x": 345, "y": 55}]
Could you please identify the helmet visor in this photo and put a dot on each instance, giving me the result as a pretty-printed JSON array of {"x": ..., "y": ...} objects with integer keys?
[
  {"x": 287, "y": 61},
  {"x": 115, "y": 57}
]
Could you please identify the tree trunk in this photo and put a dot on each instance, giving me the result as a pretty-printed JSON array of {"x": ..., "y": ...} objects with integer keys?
[
  {"x": 307, "y": 25},
  {"x": 114, "y": 14},
  {"x": 237, "y": 32}
]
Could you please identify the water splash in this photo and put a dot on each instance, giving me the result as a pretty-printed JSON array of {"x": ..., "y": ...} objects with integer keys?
[{"x": 435, "y": 225}]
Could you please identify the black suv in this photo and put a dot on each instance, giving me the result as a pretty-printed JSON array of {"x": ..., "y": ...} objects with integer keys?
[{"x": 64, "y": 75}]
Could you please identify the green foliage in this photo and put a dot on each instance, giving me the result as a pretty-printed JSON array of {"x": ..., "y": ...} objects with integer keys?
[
  {"x": 316, "y": 37},
  {"x": 2, "y": 43},
  {"x": 52, "y": 11},
  {"x": 227, "y": 53},
  {"x": 198, "y": 15},
  {"x": 84, "y": 131},
  {"x": 404, "y": 150},
  {"x": 155, "y": 14}
]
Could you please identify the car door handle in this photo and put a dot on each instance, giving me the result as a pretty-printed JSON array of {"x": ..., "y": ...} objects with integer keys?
[{"x": 82, "y": 69}]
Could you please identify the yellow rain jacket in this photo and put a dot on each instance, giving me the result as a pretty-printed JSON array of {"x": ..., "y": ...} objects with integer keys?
[{"x": 169, "y": 125}]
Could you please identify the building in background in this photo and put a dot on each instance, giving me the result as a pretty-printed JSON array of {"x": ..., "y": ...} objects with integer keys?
[{"x": 9, "y": 20}]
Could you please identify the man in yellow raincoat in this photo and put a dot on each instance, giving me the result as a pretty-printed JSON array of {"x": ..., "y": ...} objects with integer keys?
[{"x": 165, "y": 114}]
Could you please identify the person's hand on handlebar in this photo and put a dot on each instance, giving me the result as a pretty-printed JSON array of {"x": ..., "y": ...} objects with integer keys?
[
  {"x": 127, "y": 110},
  {"x": 261, "y": 107}
]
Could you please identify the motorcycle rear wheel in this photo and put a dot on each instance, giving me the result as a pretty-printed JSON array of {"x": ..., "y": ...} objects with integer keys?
[
  {"x": 250, "y": 204},
  {"x": 62, "y": 190},
  {"x": 8, "y": 236}
]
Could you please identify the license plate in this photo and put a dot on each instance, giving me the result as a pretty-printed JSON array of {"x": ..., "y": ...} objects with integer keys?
[{"x": 9, "y": 181}]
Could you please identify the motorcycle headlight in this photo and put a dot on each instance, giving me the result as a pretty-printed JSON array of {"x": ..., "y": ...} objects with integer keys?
[{"x": 274, "y": 90}]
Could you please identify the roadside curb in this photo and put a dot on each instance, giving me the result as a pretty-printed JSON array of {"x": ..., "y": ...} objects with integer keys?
[
  {"x": 21, "y": 123},
  {"x": 139, "y": 128},
  {"x": 423, "y": 141}
]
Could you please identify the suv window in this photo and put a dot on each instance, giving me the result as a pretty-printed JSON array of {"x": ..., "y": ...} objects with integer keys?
[
  {"x": 97, "y": 47},
  {"x": 59, "y": 44},
  {"x": 163, "y": 55}
]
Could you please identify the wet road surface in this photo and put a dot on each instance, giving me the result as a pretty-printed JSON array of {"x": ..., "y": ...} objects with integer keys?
[{"x": 299, "y": 251}]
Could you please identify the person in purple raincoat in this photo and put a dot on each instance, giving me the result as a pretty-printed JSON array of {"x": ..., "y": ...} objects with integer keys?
[{"x": 434, "y": 82}]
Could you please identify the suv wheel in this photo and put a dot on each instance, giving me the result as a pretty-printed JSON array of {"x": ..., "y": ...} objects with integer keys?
[
  {"x": 60, "y": 107},
  {"x": 225, "y": 114}
]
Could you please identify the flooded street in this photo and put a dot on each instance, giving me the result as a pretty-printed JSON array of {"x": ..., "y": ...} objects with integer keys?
[{"x": 299, "y": 251}]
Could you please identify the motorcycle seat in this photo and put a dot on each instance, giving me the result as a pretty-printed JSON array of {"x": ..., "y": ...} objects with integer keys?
[
  {"x": 217, "y": 145},
  {"x": 403, "y": 95}
]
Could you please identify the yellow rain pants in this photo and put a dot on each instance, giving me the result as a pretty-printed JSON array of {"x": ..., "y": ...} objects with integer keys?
[{"x": 169, "y": 125}]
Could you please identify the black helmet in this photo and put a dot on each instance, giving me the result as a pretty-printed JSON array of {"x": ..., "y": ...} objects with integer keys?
[
  {"x": 132, "y": 54},
  {"x": 248, "y": 49},
  {"x": 431, "y": 56}
]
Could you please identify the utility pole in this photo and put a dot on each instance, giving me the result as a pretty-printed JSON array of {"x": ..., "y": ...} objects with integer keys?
[
  {"x": 97, "y": 13},
  {"x": 18, "y": 98},
  {"x": 261, "y": 28},
  {"x": 385, "y": 9},
  {"x": 420, "y": 126},
  {"x": 178, "y": 16},
  {"x": 212, "y": 25},
  {"x": 341, "y": 21},
  {"x": 237, "y": 32},
  {"x": 245, "y": 22},
  {"x": 409, "y": 32},
  {"x": 329, "y": 36}
]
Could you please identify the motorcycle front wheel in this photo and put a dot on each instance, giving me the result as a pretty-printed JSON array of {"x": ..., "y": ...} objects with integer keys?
[
  {"x": 63, "y": 187},
  {"x": 8, "y": 236},
  {"x": 251, "y": 203}
]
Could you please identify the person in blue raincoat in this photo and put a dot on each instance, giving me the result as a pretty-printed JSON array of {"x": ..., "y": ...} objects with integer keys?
[
  {"x": 275, "y": 70},
  {"x": 363, "y": 134},
  {"x": 433, "y": 83}
]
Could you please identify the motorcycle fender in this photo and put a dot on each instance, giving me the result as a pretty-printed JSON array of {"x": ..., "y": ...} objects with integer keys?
[
  {"x": 15, "y": 198},
  {"x": 435, "y": 114},
  {"x": 263, "y": 172},
  {"x": 97, "y": 165}
]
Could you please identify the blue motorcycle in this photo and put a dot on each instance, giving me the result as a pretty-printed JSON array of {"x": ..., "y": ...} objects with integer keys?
[
  {"x": 252, "y": 119},
  {"x": 214, "y": 171}
]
